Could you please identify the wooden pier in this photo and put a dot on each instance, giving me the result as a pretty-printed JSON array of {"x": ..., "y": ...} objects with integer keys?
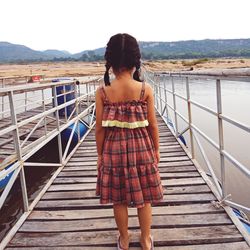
[{"x": 69, "y": 216}]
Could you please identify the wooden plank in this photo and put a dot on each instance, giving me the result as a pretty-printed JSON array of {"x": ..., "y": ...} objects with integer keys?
[
  {"x": 6, "y": 152},
  {"x": 162, "y": 132},
  {"x": 89, "y": 202},
  {"x": 171, "y": 141},
  {"x": 83, "y": 149},
  {"x": 94, "y": 174},
  {"x": 163, "y": 159},
  {"x": 161, "y": 164},
  {"x": 91, "y": 193},
  {"x": 166, "y": 144},
  {"x": 86, "y": 152},
  {"x": 163, "y": 221},
  {"x": 94, "y": 157},
  {"x": 170, "y": 197},
  {"x": 76, "y": 214},
  {"x": 170, "y": 192},
  {"x": 219, "y": 246},
  {"x": 176, "y": 168},
  {"x": 91, "y": 186},
  {"x": 166, "y": 236},
  {"x": 75, "y": 176},
  {"x": 8, "y": 146},
  {"x": 162, "y": 137},
  {"x": 195, "y": 189}
]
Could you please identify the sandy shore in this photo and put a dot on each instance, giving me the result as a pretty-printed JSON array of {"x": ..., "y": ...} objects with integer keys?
[{"x": 76, "y": 69}]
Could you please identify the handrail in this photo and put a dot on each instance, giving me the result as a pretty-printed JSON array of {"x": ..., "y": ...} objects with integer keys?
[
  {"x": 37, "y": 86},
  {"x": 158, "y": 81},
  {"x": 22, "y": 152}
]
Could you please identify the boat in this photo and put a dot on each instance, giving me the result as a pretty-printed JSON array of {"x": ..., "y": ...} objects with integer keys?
[
  {"x": 4, "y": 181},
  {"x": 243, "y": 219}
]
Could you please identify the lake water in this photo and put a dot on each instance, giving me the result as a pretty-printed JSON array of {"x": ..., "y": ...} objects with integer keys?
[{"x": 235, "y": 104}]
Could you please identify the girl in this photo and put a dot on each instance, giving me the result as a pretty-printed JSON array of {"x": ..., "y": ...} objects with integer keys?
[{"x": 127, "y": 140}]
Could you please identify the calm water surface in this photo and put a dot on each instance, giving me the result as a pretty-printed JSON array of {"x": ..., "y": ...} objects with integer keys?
[{"x": 236, "y": 105}]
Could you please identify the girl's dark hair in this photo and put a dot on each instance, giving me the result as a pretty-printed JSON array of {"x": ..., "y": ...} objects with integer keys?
[{"x": 122, "y": 52}]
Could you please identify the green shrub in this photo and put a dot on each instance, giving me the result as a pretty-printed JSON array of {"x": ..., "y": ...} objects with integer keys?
[{"x": 194, "y": 62}]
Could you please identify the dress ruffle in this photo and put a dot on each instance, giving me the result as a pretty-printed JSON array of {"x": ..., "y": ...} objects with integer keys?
[
  {"x": 133, "y": 186},
  {"x": 129, "y": 111}
]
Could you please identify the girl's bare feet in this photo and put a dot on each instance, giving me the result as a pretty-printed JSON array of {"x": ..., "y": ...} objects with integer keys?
[
  {"x": 123, "y": 242},
  {"x": 147, "y": 243}
]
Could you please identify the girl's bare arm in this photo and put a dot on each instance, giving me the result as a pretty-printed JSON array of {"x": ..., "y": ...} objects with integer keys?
[
  {"x": 99, "y": 130},
  {"x": 153, "y": 126}
]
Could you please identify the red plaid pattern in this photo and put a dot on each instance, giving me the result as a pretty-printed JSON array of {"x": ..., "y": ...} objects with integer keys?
[{"x": 128, "y": 172}]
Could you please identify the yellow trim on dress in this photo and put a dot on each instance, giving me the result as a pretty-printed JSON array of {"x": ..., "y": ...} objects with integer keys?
[{"x": 116, "y": 123}]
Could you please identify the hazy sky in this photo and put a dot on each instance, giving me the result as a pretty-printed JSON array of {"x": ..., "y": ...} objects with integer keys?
[{"x": 77, "y": 25}]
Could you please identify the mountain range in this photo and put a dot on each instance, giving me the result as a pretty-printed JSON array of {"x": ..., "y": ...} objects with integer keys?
[{"x": 150, "y": 50}]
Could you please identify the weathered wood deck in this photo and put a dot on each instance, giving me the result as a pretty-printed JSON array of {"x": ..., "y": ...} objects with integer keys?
[{"x": 69, "y": 215}]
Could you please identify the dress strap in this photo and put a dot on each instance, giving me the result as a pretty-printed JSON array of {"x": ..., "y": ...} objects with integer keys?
[
  {"x": 142, "y": 90},
  {"x": 104, "y": 93}
]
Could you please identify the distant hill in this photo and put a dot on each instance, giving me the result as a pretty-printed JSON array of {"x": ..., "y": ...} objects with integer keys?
[
  {"x": 14, "y": 52},
  {"x": 196, "y": 49},
  {"x": 90, "y": 55},
  {"x": 150, "y": 50},
  {"x": 56, "y": 53}
]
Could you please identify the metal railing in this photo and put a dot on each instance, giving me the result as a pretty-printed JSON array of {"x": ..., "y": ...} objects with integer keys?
[
  {"x": 17, "y": 80},
  {"x": 49, "y": 123},
  {"x": 159, "y": 82}
]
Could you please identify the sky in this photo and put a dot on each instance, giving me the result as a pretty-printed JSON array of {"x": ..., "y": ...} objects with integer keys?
[{"x": 77, "y": 25}]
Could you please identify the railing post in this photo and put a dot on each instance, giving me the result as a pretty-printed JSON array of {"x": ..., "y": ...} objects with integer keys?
[
  {"x": 64, "y": 101},
  {"x": 88, "y": 91},
  {"x": 79, "y": 88},
  {"x": 174, "y": 106},
  {"x": 77, "y": 112},
  {"x": 190, "y": 118},
  {"x": 59, "y": 141},
  {"x": 160, "y": 95},
  {"x": 156, "y": 91},
  {"x": 44, "y": 109},
  {"x": 221, "y": 139},
  {"x": 2, "y": 99},
  {"x": 165, "y": 97},
  {"x": 26, "y": 94},
  {"x": 18, "y": 152}
]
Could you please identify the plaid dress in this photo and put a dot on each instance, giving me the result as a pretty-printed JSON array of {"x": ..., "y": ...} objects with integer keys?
[{"x": 128, "y": 172}]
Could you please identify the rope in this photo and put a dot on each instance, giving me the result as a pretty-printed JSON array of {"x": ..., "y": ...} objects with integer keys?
[{"x": 220, "y": 203}]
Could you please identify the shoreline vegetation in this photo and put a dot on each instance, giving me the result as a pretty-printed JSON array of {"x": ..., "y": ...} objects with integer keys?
[{"x": 78, "y": 69}]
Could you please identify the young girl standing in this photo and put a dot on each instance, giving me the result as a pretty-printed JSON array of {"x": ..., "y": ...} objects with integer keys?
[{"x": 127, "y": 140}]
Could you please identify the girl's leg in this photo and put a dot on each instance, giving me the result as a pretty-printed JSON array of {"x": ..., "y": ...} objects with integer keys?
[
  {"x": 145, "y": 220},
  {"x": 121, "y": 219}
]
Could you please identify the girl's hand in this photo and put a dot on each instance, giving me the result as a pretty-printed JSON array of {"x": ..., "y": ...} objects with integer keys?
[
  {"x": 99, "y": 160},
  {"x": 157, "y": 155}
]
